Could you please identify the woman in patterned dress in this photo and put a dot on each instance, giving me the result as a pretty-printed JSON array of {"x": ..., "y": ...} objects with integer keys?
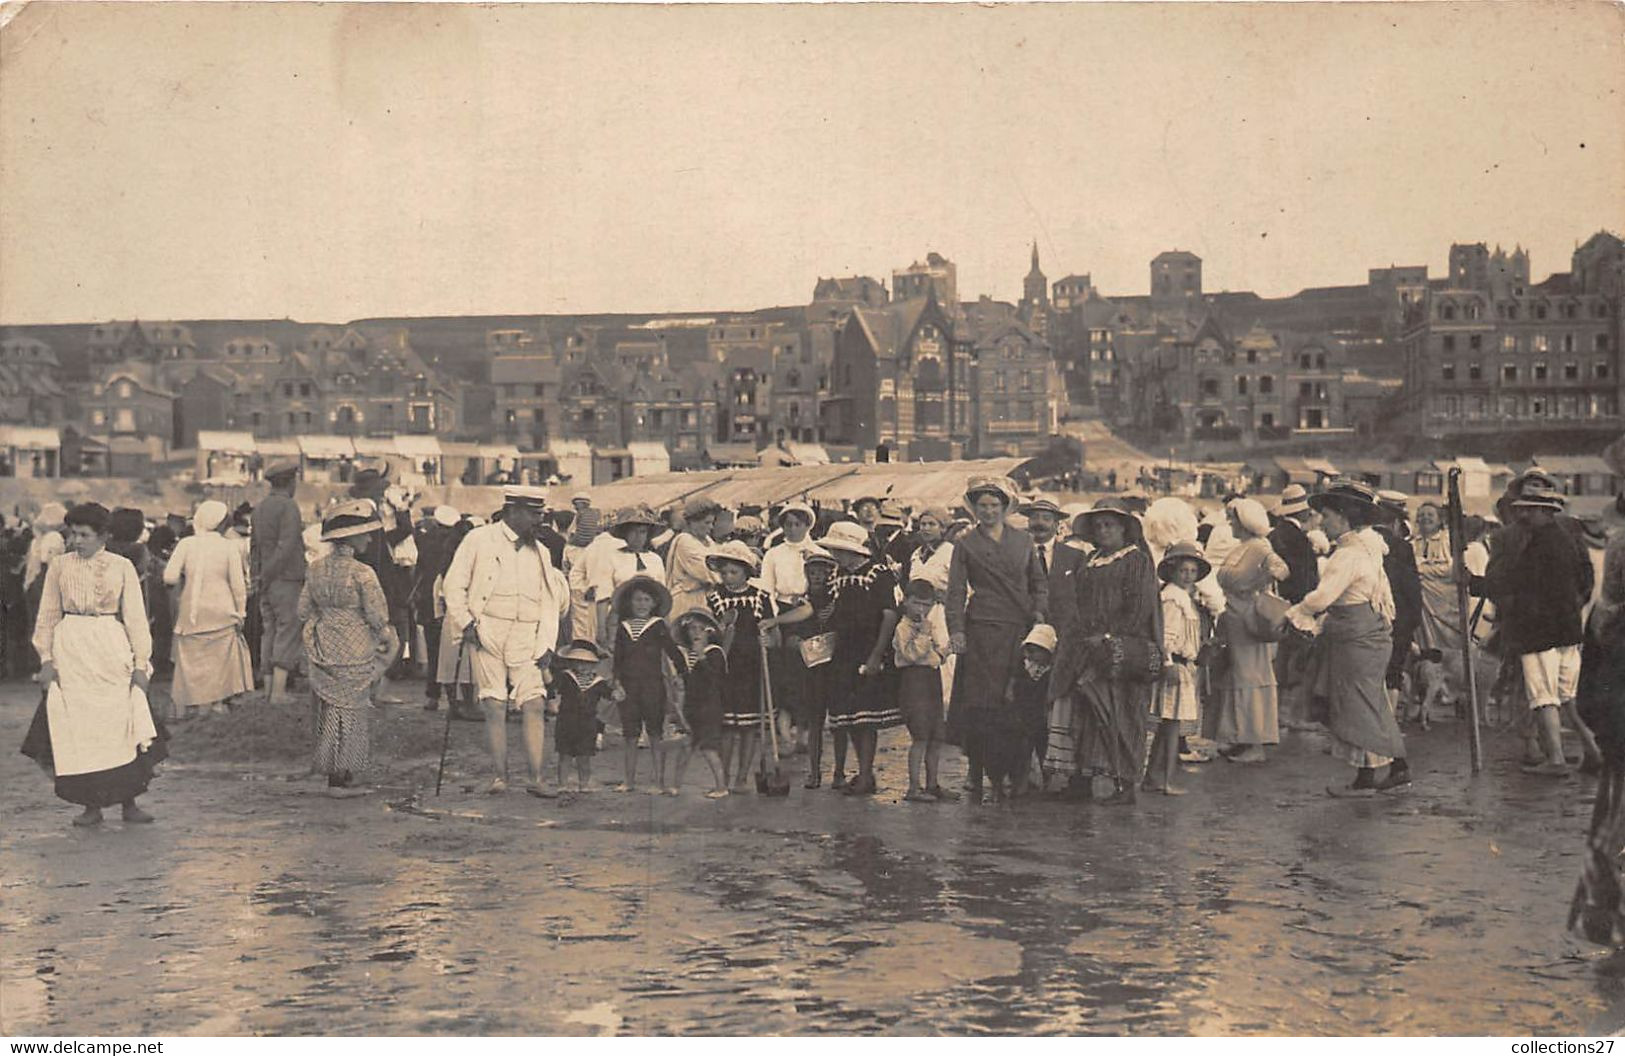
[
  {"x": 861, "y": 697},
  {"x": 348, "y": 643},
  {"x": 1097, "y": 724},
  {"x": 94, "y": 730}
]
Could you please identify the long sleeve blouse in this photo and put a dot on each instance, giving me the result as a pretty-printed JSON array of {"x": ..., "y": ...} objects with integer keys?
[
  {"x": 101, "y": 585},
  {"x": 214, "y": 594},
  {"x": 1353, "y": 575}
]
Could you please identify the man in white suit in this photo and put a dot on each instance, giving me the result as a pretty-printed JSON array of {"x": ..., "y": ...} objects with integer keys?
[{"x": 505, "y": 597}]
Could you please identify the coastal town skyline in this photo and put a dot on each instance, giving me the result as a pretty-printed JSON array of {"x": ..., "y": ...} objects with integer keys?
[{"x": 325, "y": 163}]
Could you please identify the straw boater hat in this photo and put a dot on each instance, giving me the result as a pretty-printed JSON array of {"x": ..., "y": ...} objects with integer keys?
[
  {"x": 622, "y": 601},
  {"x": 446, "y": 516},
  {"x": 893, "y": 514},
  {"x": 1344, "y": 494},
  {"x": 1183, "y": 551},
  {"x": 1133, "y": 533},
  {"x": 1394, "y": 503},
  {"x": 734, "y": 552},
  {"x": 634, "y": 517},
  {"x": 848, "y": 536},
  {"x": 1003, "y": 487},
  {"x": 525, "y": 495},
  {"x": 1041, "y": 504},
  {"x": 1294, "y": 499},
  {"x": 581, "y": 649},
  {"x": 347, "y": 519}
]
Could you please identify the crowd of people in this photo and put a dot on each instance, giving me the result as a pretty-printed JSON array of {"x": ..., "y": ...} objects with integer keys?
[{"x": 1085, "y": 651}]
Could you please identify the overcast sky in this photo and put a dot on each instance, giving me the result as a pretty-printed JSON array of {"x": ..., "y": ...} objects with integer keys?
[{"x": 336, "y": 162}]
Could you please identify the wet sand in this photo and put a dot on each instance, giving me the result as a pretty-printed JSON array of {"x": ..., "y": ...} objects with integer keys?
[{"x": 1254, "y": 905}]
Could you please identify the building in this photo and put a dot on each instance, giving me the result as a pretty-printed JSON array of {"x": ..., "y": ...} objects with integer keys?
[
  {"x": 900, "y": 383},
  {"x": 937, "y": 274},
  {"x": 1014, "y": 390},
  {"x": 1176, "y": 276},
  {"x": 1488, "y": 352},
  {"x": 31, "y": 391},
  {"x": 525, "y": 385},
  {"x": 116, "y": 342},
  {"x": 852, "y": 290},
  {"x": 1035, "y": 306}
]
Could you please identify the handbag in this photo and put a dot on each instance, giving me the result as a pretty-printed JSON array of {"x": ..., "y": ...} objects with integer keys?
[
  {"x": 818, "y": 650},
  {"x": 1267, "y": 619},
  {"x": 1132, "y": 659}
]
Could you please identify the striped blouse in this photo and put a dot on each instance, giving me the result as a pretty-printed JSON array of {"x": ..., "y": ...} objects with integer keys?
[{"x": 103, "y": 584}]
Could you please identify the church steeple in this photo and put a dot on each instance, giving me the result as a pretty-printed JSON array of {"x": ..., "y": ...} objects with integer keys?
[{"x": 1035, "y": 290}]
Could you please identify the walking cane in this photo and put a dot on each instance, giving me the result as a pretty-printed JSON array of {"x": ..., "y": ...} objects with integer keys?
[
  {"x": 1458, "y": 546},
  {"x": 451, "y": 706}
]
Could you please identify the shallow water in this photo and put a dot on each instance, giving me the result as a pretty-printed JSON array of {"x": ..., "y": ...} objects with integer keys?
[{"x": 1256, "y": 904}]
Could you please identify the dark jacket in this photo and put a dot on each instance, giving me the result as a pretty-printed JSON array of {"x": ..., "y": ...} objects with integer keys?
[
  {"x": 1406, "y": 583},
  {"x": 1540, "y": 579},
  {"x": 1291, "y": 544},
  {"x": 1065, "y": 565}
]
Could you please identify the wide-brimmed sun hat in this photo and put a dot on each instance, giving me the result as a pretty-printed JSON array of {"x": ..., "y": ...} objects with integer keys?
[
  {"x": 848, "y": 536},
  {"x": 347, "y": 519},
  {"x": 693, "y": 616},
  {"x": 1183, "y": 551},
  {"x": 621, "y": 603},
  {"x": 1540, "y": 497},
  {"x": 581, "y": 649},
  {"x": 1345, "y": 494},
  {"x": 1294, "y": 499},
  {"x": 1003, "y": 487},
  {"x": 733, "y": 552},
  {"x": 634, "y": 517},
  {"x": 1110, "y": 506}
]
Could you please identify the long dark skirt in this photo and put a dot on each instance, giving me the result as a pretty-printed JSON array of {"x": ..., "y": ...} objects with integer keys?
[
  {"x": 1355, "y": 645},
  {"x": 982, "y": 675},
  {"x": 1111, "y": 718},
  {"x": 102, "y": 788}
]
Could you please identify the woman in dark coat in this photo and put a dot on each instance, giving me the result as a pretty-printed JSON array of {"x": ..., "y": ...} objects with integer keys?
[
  {"x": 1112, "y": 659},
  {"x": 1598, "y": 910},
  {"x": 997, "y": 590}
]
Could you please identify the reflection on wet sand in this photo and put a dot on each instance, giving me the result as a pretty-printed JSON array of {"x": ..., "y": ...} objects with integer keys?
[{"x": 1254, "y": 905}]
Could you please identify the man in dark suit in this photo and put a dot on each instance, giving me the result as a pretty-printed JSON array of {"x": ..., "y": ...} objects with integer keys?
[
  {"x": 1064, "y": 564},
  {"x": 1290, "y": 541}
]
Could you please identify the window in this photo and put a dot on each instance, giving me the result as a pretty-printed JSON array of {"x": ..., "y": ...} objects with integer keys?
[
  {"x": 1568, "y": 342},
  {"x": 1448, "y": 371},
  {"x": 1252, "y": 355},
  {"x": 1266, "y": 385},
  {"x": 1474, "y": 310},
  {"x": 1541, "y": 343},
  {"x": 1241, "y": 385},
  {"x": 1448, "y": 343},
  {"x": 1448, "y": 311},
  {"x": 1540, "y": 371},
  {"x": 1210, "y": 386},
  {"x": 1601, "y": 310},
  {"x": 1509, "y": 343},
  {"x": 287, "y": 390},
  {"x": 1267, "y": 420},
  {"x": 1475, "y": 372},
  {"x": 1540, "y": 311},
  {"x": 1475, "y": 341},
  {"x": 1601, "y": 343},
  {"x": 305, "y": 417},
  {"x": 1599, "y": 371},
  {"x": 1509, "y": 372},
  {"x": 538, "y": 389},
  {"x": 1571, "y": 372},
  {"x": 304, "y": 389},
  {"x": 1537, "y": 407},
  {"x": 98, "y": 418},
  {"x": 125, "y": 390},
  {"x": 1305, "y": 390}
]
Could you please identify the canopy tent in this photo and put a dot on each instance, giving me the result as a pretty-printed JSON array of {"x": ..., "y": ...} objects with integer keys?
[
  {"x": 274, "y": 449},
  {"x": 573, "y": 459},
  {"x": 30, "y": 438},
  {"x": 326, "y": 448},
  {"x": 223, "y": 442},
  {"x": 732, "y": 455},
  {"x": 649, "y": 457}
]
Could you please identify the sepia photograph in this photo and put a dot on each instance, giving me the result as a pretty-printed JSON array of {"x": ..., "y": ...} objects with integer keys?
[{"x": 796, "y": 519}]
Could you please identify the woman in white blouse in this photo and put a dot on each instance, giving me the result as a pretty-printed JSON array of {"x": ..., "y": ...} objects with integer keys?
[
  {"x": 1353, "y": 612},
  {"x": 94, "y": 730}
]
